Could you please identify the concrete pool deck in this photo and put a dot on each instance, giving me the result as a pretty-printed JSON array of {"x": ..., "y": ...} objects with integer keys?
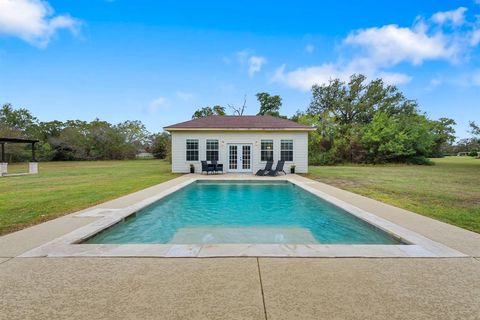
[{"x": 243, "y": 287}]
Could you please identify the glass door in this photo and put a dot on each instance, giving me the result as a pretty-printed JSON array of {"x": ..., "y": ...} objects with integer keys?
[
  {"x": 232, "y": 157},
  {"x": 246, "y": 158},
  {"x": 239, "y": 157}
]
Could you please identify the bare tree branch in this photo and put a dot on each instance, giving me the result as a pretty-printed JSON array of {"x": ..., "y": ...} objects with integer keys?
[{"x": 238, "y": 111}]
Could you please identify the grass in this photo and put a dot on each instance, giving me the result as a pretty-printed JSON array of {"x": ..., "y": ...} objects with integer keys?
[
  {"x": 65, "y": 187},
  {"x": 448, "y": 191}
]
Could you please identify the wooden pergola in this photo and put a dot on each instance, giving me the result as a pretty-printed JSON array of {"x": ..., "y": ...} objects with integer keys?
[{"x": 3, "y": 141}]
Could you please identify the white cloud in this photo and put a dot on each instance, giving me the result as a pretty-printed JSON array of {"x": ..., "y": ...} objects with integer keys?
[
  {"x": 475, "y": 37},
  {"x": 33, "y": 21},
  {"x": 309, "y": 48},
  {"x": 390, "y": 44},
  {"x": 304, "y": 78},
  {"x": 434, "y": 82},
  {"x": 185, "y": 96},
  {"x": 392, "y": 77},
  {"x": 255, "y": 64},
  {"x": 375, "y": 51},
  {"x": 156, "y": 104},
  {"x": 243, "y": 55},
  {"x": 455, "y": 17}
]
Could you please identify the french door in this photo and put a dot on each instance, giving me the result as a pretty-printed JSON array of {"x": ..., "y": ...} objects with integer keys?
[{"x": 240, "y": 157}]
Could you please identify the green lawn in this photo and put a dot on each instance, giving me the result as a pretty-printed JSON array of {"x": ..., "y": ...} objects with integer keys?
[
  {"x": 448, "y": 191},
  {"x": 65, "y": 187}
]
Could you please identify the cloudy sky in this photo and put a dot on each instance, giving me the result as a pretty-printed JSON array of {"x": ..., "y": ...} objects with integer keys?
[{"x": 158, "y": 61}]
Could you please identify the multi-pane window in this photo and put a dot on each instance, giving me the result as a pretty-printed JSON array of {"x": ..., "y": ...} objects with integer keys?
[
  {"x": 192, "y": 150},
  {"x": 232, "y": 162},
  {"x": 286, "y": 150},
  {"x": 266, "y": 150},
  {"x": 212, "y": 150}
]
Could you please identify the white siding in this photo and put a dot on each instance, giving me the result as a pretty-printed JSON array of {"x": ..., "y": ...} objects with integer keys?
[{"x": 300, "y": 147}]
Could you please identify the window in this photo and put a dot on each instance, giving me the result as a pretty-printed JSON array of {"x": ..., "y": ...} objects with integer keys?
[
  {"x": 192, "y": 150},
  {"x": 266, "y": 150},
  {"x": 212, "y": 150},
  {"x": 286, "y": 150}
]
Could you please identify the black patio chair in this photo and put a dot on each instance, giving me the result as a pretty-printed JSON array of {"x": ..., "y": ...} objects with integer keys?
[
  {"x": 278, "y": 169},
  {"x": 218, "y": 166},
  {"x": 263, "y": 172},
  {"x": 207, "y": 167}
]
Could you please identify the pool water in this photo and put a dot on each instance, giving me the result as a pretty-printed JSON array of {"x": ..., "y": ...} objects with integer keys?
[{"x": 243, "y": 212}]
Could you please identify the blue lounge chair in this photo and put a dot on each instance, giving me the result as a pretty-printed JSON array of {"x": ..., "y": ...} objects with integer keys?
[
  {"x": 263, "y": 172},
  {"x": 278, "y": 169}
]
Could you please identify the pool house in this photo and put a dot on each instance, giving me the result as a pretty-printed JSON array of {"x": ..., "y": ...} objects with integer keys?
[{"x": 240, "y": 143}]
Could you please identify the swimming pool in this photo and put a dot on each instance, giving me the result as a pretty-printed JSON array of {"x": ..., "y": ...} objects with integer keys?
[{"x": 242, "y": 212}]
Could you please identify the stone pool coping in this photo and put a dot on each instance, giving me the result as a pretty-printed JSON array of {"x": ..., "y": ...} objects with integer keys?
[{"x": 70, "y": 244}]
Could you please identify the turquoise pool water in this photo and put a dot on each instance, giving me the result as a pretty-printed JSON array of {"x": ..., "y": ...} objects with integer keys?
[{"x": 243, "y": 212}]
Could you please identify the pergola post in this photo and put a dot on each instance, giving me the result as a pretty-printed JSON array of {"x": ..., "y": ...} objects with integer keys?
[
  {"x": 33, "y": 152},
  {"x": 3, "y": 164},
  {"x": 33, "y": 165}
]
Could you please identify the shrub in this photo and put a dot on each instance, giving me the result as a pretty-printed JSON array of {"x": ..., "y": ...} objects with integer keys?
[{"x": 420, "y": 160}]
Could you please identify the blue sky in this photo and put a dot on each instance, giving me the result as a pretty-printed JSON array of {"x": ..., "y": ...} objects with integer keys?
[{"x": 158, "y": 61}]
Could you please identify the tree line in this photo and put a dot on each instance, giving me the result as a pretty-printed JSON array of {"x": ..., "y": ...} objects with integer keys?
[
  {"x": 356, "y": 121},
  {"x": 78, "y": 140},
  {"x": 362, "y": 121}
]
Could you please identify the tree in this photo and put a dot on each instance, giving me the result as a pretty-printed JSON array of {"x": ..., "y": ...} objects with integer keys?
[
  {"x": 19, "y": 119},
  {"x": 474, "y": 129},
  {"x": 160, "y": 145},
  {"x": 209, "y": 111},
  {"x": 73, "y": 139},
  {"x": 356, "y": 102},
  {"x": 361, "y": 121},
  {"x": 238, "y": 111},
  {"x": 444, "y": 135},
  {"x": 397, "y": 138},
  {"x": 321, "y": 150},
  {"x": 269, "y": 105}
]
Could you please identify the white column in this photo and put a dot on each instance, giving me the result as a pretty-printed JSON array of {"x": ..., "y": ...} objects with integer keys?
[
  {"x": 3, "y": 168},
  {"x": 33, "y": 167}
]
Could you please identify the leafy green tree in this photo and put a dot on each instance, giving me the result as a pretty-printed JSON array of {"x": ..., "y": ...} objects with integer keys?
[
  {"x": 361, "y": 121},
  {"x": 72, "y": 139},
  {"x": 397, "y": 138},
  {"x": 474, "y": 129},
  {"x": 17, "y": 120},
  {"x": 160, "y": 145},
  {"x": 356, "y": 102},
  {"x": 269, "y": 105},
  {"x": 321, "y": 149},
  {"x": 444, "y": 136},
  {"x": 209, "y": 111}
]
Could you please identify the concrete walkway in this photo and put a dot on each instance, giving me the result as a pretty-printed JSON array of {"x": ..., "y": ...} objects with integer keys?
[{"x": 241, "y": 288}]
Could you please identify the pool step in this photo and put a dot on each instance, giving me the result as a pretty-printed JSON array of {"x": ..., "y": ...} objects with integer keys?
[{"x": 216, "y": 234}]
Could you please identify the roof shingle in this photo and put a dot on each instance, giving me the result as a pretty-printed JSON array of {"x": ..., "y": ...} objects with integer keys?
[{"x": 240, "y": 122}]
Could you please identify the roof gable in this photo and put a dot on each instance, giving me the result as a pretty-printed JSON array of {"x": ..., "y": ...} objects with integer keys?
[{"x": 239, "y": 123}]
